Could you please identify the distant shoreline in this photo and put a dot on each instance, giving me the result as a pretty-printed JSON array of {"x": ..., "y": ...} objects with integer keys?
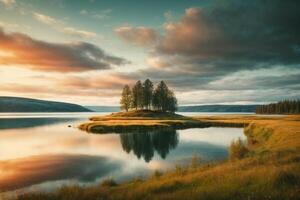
[{"x": 19, "y": 104}]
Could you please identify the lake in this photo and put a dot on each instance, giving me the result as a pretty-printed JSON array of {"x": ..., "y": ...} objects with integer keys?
[{"x": 42, "y": 151}]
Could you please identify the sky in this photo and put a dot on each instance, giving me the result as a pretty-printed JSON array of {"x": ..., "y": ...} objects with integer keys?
[{"x": 207, "y": 51}]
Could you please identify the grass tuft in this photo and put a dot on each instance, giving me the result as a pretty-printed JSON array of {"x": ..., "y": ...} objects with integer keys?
[
  {"x": 109, "y": 182},
  {"x": 237, "y": 150}
]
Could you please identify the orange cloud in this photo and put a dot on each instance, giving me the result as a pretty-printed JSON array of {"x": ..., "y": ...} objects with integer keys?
[
  {"x": 25, "y": 51},
  {"x": 140, "y": 35},
  {"x": 109, "y": 81},
  {"x": 105, "y": 86},
  {"x": 158, "y": 62},
  {"x": 8, "y": 2},
  {"x": 189, "y": 34}
]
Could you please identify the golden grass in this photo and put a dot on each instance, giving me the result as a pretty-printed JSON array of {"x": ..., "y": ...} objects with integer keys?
[
  {"x": 270, "y": 171},
  {"x": 285, "y": 130}
]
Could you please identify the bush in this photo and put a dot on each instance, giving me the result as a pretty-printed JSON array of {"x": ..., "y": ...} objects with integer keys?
[
  {"x": 180, "y": 170},
  {"x": 157, "y": 174},
  {"x": 195, "y": 161},
  {"x": 109, "y": 182},
  {"x": 237, "y": 150}
]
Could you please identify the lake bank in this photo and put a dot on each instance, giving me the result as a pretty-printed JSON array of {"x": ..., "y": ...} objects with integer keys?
[{"x": 269, "y": 171}]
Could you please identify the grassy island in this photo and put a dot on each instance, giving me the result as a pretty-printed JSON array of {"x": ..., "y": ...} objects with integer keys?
[{"x": 139, "y": 120}]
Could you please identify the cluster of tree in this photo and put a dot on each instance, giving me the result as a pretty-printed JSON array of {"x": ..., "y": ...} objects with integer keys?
[
  {"x": 282, "y": 107},
  {"x": 144, "y": 96}
]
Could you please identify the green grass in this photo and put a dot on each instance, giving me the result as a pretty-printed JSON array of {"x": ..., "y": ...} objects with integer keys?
[{"x": 270, "y": 170}]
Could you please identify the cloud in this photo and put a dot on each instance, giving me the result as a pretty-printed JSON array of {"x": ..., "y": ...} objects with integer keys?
[
  {"x": 8, "y": 2},
  {"x": 232, "y": 33},
  {"x": 188, "y": 35},
  {"x": 140, "y": 35},
  {"x": 80, "y": 33},
  {"x": 169, "y": 16},
  {"x": 158, "y": 62},
  {"x": 46, "y": 19},
  {"x": 61, "y": 27},
  {"x": 13, "y": 26},
  {"x": 207, "y": 46},
  {"x": 111, "y": 81},
  {"x": 83, "y": 84},
  {"x": 25, "y": 51},
  {"x": 229, "y": 35},
  {"x": 102, "y": 14},
  {"x": 237, "y": 96}
]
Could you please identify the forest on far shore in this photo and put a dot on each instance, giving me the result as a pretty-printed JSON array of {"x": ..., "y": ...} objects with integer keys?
[{"x": 282, "y": 107}]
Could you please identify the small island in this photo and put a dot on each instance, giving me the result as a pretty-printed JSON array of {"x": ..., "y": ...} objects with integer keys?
[{"x": 145, "y": 108}]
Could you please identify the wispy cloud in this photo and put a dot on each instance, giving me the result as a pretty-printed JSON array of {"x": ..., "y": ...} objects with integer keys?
[
  {"x": 142, "y": 36},
  {"x": 60, "y": 26},
  {"x": 102, "y": 14}
]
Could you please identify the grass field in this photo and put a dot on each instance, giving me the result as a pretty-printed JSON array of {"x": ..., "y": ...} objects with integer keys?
[{"x": 269, "y": 170}]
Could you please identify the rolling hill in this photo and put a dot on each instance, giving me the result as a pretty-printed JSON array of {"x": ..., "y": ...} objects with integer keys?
[{"x": 19, "y": 104}]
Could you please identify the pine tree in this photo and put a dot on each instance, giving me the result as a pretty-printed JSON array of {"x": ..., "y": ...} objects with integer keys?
[
  {"x": 126, "y": 98},
  {"x": 164, "y": 99},
  {"x": 147, "y": 93},
  {"x": 137, "y": 95},
  {"x": 171, "y": 102}
]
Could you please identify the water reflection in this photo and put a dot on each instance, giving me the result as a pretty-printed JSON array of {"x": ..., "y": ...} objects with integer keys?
[
  {"x": 13, "y": 123},
  {"x": 44, "y": 153},
  {"x": 143, "y": 144},
  {"x": 23, "y": 172}
]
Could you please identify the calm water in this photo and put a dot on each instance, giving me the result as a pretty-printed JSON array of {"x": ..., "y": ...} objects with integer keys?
[{"x": 41, "y": 151}]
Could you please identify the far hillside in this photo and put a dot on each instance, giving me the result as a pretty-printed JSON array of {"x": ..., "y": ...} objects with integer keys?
[{"x": 19, "y": 104}]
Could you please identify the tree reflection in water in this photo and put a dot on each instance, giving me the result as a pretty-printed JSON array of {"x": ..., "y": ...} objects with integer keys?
[{"x": 144, "y": 143}]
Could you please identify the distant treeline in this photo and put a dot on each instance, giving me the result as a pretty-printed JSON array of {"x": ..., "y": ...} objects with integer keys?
[
  {"x": 282, "y": 107},
  {"x": 218, "y": 108},
  {"x": 144, "y": 96}
]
